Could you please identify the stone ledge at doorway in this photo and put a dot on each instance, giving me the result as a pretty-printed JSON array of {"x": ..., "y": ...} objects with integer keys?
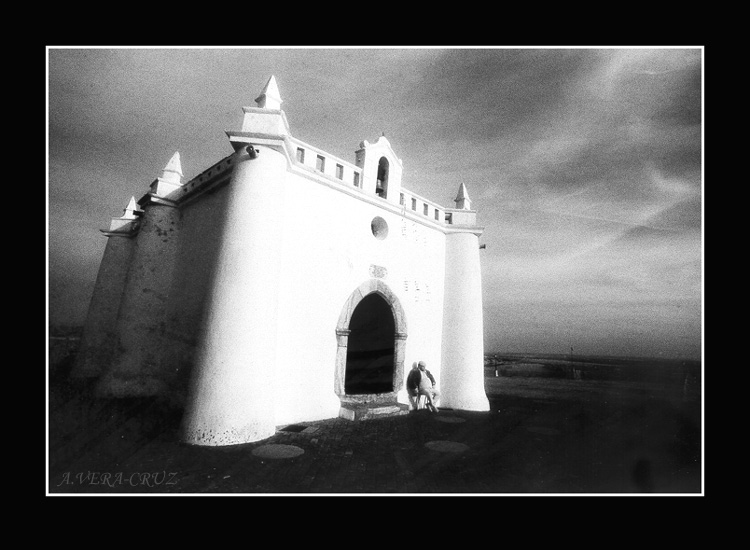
[{"x": 368, "y": 411}]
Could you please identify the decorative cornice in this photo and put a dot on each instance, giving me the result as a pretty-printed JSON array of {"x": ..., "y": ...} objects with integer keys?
[
  {"x": 261, "y": 110},
  {"x": 151, "y": 198},
  {"x": 270, "y": 112},
  {"x": 129, "y": 234},
  {"x": 254, "y": 137},
  {"x": 452, "y": 229}
]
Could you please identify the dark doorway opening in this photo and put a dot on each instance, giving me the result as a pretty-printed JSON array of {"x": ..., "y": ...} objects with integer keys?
[{"x": 370, "y": 349}]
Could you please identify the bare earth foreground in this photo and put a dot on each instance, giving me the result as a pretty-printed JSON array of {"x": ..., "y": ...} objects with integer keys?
[{"x": 556, "y": 425}]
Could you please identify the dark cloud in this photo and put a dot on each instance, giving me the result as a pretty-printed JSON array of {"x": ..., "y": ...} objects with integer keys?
[
  {"x": 488, "y": 94},
  {"x": 578, "y": 160}
]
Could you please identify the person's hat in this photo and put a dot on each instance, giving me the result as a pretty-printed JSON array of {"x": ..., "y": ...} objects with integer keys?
[{"x": 422, "y": 364}]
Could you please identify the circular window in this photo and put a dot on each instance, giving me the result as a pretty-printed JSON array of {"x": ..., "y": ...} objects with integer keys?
[{"x": 379, "y": 228}]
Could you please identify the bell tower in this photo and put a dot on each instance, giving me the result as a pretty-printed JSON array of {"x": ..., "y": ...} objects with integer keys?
[{"x": 381, "y": 169}]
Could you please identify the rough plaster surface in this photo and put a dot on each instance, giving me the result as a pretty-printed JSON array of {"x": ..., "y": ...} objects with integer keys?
[
  {"x": 99, "y": 332},
  {"x": 142, "y": 316}
]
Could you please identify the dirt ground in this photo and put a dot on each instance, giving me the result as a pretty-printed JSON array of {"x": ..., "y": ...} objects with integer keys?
[{"x": 543, "y": 435}]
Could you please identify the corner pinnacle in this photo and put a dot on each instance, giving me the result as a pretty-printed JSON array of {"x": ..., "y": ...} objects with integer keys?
[
  {"x": 269, "y": 97},
  {"x": 173, "y": 170},
  {"x": 462, "y": 200}
]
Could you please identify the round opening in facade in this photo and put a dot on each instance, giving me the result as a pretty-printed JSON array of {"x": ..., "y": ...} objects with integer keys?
[{"x": 379, "y": 228}]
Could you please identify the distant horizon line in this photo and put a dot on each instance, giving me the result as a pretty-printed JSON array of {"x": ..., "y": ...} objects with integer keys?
[
  {"x": 602, "y": 355},
  {"x": 68, "y": 331}
]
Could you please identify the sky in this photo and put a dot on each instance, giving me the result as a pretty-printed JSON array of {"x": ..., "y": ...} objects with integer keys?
[{"x": 584, "y": 165}]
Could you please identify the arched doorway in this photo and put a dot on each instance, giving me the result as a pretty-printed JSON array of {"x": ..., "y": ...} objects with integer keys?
[
  {"x": 371, "y": 337},
  {"x": 370, "y": 349}
]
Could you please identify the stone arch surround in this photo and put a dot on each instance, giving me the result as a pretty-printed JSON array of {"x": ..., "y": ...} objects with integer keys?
[{"x": 342, "y": 336}]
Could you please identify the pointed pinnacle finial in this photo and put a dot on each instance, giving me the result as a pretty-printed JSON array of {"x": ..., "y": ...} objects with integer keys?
[
  {"x": 269, "y": 97},
  {"x": 131, "y": 209},
  {"x": 462, "y": 200},
  {"x": 173, "y": 170}
]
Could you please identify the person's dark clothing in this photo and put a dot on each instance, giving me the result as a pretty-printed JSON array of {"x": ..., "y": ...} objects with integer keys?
[{"x": 412, "y": 381}]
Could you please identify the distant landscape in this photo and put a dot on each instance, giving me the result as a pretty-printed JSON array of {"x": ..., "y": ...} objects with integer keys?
[
  {"x": 678, "y": 381},
  {"x": 593, "y": 367}
]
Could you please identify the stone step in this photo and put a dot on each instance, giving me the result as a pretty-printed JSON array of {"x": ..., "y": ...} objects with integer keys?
[{"x": 367, "y": 411}]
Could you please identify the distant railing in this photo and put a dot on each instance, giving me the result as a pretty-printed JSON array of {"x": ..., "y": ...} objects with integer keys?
[
  {"x": 423, "y": 206},
  {"x": 208, "y": 174}
]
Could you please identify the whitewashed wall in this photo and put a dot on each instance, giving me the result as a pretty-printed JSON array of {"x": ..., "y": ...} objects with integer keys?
[
  {"x": 327, "y": 251},
  {"x": 201, "y": 227}
]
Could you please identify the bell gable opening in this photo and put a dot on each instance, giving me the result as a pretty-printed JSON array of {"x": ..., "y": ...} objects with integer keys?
[{"x": 381, "y": 184}]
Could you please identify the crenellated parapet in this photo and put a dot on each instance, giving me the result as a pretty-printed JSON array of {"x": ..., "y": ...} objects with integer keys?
[{"x": 376, "y": 173}]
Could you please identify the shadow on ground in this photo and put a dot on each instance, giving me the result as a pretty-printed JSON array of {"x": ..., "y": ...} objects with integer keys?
[{"x": 541, "y": 436}]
